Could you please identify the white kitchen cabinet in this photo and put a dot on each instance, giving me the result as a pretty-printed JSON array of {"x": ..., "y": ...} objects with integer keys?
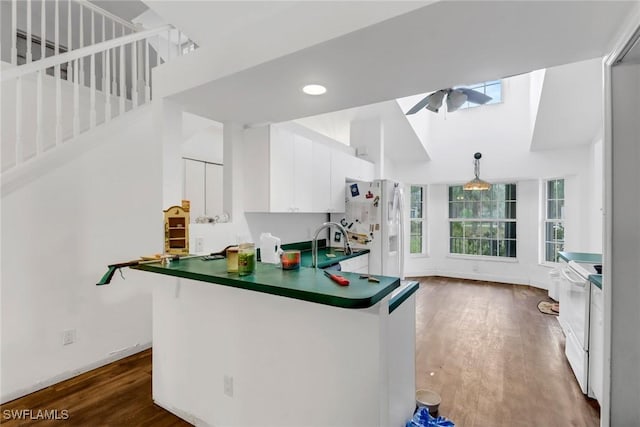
[
  {"x": 596, "y": 344},
  {"x": 287, "y": 172},
  {"x": 278, "y": 171},
  {"x": 321, "y": 181},
  {"x": 358, "y": 264},
  {"x": 328, "y": 179}
]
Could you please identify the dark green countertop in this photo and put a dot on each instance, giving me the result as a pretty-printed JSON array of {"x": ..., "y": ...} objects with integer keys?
[
  {"x": 581, "y": 257},
  {"x": 324, "y": 261},
  {"x": 596, "y": 279},
  {"x": 305, "y": 284}
]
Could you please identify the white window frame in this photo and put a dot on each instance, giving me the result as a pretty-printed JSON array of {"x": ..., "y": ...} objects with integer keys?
[
  {"x": 481, "y": 220},
  {"x": 423, "y": 220},
  {"x": 482, "y": 87},
  {"x": 546, "y": 220}
]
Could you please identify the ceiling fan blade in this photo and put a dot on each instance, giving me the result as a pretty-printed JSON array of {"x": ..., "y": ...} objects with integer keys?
[
  {"x": 419, "y": 106},
  {"x": 455, "y": 99},
  {"x": 475, "y": 96},
  {"x": 435, "y": 100}
]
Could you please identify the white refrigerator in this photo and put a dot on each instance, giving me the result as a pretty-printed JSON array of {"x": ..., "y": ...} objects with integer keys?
[{"x": 374, "y": 220}]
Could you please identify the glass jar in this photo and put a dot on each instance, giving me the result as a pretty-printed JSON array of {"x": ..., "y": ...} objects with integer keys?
[
  {"x": 232, "y": 259},
  {"x": 246, "y": 259}
]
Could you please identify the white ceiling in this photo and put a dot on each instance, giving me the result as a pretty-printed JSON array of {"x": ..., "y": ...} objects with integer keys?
[
  {"x": 250, "y": 22},
  {"x": 401, "y": 141},
  {"x": 435, "y": 46},
  {"x": 125, "y": 9},
  {"x": 571, "y": 108}
]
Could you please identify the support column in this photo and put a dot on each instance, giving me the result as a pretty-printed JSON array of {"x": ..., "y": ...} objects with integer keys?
[
  {"x": 167, "y": 119},
  {"x": 233, "y": 148}
]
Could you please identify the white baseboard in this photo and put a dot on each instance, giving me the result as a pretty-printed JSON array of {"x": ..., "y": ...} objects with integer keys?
[
  {"x": 479, "y": 276},
  {"x": 112, "y": 357},
  {"x": 192, "y": 419}
]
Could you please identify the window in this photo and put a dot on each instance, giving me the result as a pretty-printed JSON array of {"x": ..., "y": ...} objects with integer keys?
[
  {"x": 417, "y": 241},
  {"x": 554, "y": 220},
  {"x": 492, "y": 88},
  {"x": 483, "y": 222}
]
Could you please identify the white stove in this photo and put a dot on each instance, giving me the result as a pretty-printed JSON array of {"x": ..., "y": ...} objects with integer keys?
[{"x": 575, "y": 292}]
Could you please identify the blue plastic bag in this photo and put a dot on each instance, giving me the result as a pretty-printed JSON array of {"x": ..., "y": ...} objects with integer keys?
[{"x": 422, "y": 418}]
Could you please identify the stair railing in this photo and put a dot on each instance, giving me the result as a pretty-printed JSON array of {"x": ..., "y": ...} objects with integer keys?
[{"x": 126, "y": 80}]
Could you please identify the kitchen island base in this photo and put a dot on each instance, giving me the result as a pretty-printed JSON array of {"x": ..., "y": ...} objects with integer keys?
[{"x": 235, "y": 357}]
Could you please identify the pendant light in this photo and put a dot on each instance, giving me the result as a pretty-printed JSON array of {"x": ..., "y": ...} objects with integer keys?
[{"x": 476, "y": 183}]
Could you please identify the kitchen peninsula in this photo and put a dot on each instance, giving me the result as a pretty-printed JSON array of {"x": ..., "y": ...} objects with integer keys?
[{"x": 285, "y": 348}]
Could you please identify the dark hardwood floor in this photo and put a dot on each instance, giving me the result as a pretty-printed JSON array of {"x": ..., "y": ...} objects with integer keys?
[
  {"x": 118, "y": 394},
  {"x": 493, "y": 357}
]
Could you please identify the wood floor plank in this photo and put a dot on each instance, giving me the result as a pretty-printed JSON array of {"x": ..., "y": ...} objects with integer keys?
[
  {"x": 494, "y": 358},
  {"x": 118, "y": 394}
]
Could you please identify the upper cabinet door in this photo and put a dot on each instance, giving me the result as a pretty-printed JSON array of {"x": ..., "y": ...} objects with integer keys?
[
  {"x": 303, "y": 174},
  {"x": 281, "y": 170},
  {"x": 321, "y": 179}
]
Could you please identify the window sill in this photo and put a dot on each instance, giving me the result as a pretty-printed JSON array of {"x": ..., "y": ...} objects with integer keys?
[
  {"x": 418, "y": 256},
  {"x": 483, "y": 258}
]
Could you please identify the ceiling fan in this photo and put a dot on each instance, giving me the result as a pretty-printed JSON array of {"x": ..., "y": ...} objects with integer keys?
[{"x": 455, "y": 98}]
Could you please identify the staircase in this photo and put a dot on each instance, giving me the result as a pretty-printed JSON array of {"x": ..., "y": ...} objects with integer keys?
[{"x": 53, "y": 93}]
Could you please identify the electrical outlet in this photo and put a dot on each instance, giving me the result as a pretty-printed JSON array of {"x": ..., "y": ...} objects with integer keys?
[
  {"x": 68, "y": 336},
  {"x": 228, "y": 385},
  {"x": 199, "y": 245}
]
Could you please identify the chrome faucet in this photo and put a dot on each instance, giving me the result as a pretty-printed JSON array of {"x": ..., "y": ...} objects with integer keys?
[{"x": 314, "y": 242}]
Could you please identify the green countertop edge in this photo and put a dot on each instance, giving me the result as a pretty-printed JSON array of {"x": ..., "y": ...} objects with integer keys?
[
  {"x": 402, "y": 296},
  {"x": 249, "y": 283},
  {"x": 596, "y": 279},
  {"x": 581, "y": 257}
]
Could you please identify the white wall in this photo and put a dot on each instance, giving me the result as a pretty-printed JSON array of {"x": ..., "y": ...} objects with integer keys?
[
  {"x": 622, "y": 260},
  {"x": 59, "y": 233},
  {"x": 502, "y": 133}
]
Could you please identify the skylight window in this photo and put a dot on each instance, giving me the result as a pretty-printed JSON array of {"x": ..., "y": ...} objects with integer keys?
[{"x": 491, "y": 88}]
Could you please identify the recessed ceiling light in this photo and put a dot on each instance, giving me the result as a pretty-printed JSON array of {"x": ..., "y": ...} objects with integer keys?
[{"x": 314, "y": 89}]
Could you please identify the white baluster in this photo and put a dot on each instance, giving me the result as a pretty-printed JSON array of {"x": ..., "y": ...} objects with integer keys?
[
  {"x": 81, "y": 33},
  {"x": 168, "y": 46},
  {"x": 92, "y": 93},
  {"x": 76, "y": 98},
  {"x": 58, "y": 105},
  {"x": 104, "y": 62},
  {"x": 107, "y": 91},
  {"x": 19, "y": 155},
  {"x": 69, "y": 26},
  {"x": 123, "y": 83},
  {"x": 114, "y": 85},
  {"x": 14, "y": 32},
  {"x": 29, "y": 55},
  {"x": 39, "y": 121},
  {"x": 179, "y": 43},
  {"x": 56, "y": 41},
  {"x": 134, "y": 73},
  {"x": 147, "y": 73},
  {"x": 69, "y": 41},
  {"x": 43, "y": 30},
  {"x": 93, "y": 28}
]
